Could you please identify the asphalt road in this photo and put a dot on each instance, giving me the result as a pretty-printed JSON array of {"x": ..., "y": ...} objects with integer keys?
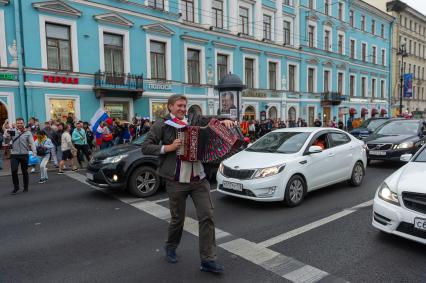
[{"x": 67, "y": 231}]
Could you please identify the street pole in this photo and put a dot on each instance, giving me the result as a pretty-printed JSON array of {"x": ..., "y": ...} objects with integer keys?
[{"x": 401, "y": 51}]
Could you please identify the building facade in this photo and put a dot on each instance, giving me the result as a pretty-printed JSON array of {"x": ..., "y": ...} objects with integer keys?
[
  {"x": 298, "y": 58},
  {"x": 410, "y": 30}
]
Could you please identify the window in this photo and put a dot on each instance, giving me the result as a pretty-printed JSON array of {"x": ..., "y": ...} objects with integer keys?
[
  {"x": 411, "y": 24},
  {"x": 352, "y": 85},
  {"x": 157, "y": 4},
  {"x": 340, "y": 43},
  {"x": 311, "y": 4},
  {"x": 340, "y": 83},
  {"x": 58, "y": 47},
  {"x": 249, "y": 72},
  {"x": 382, "y": 31},
  {"x": 363, "y": 23},
  {"x": 415, "y": 27},
  {"x": 272, "y": 67},
  {"x": 374, "y": 55},
  {"x": 291, "y": 77},
  {"x": 351, "y": 18},
  {"x": 222, "y": 66},
  {"x": 352, "y": 49},
  {"x": 373, "y": 87},
  {"x": 217, "y": 7},
  {"x": 409, "y": 46},
  {"x": 415, "y": 48},
  {"x": 363, "y": 86},
  {"x": 287, "y": 2},
  {"x": 326, "y": 7},
  {"x": 113, "y": 53},
  {"x": 59, "y": 107},
  {"x": 327, "y": 40},
  {"x": 339, "y": 139},
  {"x": 414, "y": 71},
  {"x": 267, "y": 25},
  {"x": 158, "y": 60},
  {"x": 341, "y": 11},
  {"x": 423, "y": 73},
  {"x": 311, "y": 36},
  {"x": 188, "y": 10},
  {"x": 382, "y": 89},
  {"x": 244, "y": 20},
  {"x": 405, "y": 22},
  {"x": 364, "y": 52},
  {"x": 311, "y": 73},
  {"x": 159, "y": 110},
  {"x": 287, "y": 31},
  {"x": 383, "y": 57},
  {"x": 373, "y": 26},
  {"x": 193, "y": 66},
  {"x": 326, "y": 81}
]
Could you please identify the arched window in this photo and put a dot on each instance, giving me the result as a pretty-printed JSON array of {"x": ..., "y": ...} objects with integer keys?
[
  {"x": 249, "y": 113},
  {"x": 273, "y": 113},
  {"x": 3, "y": 113},
  {"x": 292, "y": 114}
]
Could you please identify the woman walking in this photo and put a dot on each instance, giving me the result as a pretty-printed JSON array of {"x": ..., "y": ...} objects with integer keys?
[{"x": 44, "y": 147}]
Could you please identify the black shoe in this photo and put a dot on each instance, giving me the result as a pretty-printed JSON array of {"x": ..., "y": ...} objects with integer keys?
[
  {"x": 26, "y": 190},
  {"x": 211, "y": 266},
  {"x": 61, "y": 172},
  {"x": 15, "y": 191},
  {"x": 42, "y": 181},
  {"x": 171, "y": 256}
]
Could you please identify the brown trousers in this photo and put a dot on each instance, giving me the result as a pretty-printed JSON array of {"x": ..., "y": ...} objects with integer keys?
[{"x": 200, "y": 194}]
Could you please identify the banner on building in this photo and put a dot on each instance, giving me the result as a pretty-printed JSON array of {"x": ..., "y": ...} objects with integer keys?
[{"x": 408, "y": 85}]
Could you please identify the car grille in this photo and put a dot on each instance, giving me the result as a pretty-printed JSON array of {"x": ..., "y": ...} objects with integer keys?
[
  {"x": 237, "y": 174},
  {"x": 243, "y": 193},
  {"x": 415, "y": 201},
  {"x": 409, "y": 229},
  {"x": 379, "y": 146}
]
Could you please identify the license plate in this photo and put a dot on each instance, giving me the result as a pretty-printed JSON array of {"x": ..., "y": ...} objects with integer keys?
[
  {"x": 420, "y": 223},
  {"x": 232, "y": 186},
  {"x": 377, "y": 152},
  {"x": 89, "y": 176}
]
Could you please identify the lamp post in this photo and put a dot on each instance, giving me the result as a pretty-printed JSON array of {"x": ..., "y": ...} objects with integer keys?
[{"x": 401, "y": 51}]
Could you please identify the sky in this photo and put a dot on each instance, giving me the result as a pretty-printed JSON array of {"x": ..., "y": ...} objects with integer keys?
[{"x": 419, "y": 5}]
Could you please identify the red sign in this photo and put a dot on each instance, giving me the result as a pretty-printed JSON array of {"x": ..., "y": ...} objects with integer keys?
[{"x": 60, "y": 79}]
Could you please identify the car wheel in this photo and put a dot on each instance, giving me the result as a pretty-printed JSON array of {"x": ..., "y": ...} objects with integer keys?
[
  {"x": 294, "y": 191},
  {"x": 144, "y": 182},
  {"x": 358, "y": 174}
]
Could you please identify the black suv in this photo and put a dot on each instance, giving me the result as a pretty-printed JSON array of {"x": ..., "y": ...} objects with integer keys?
[
  {"x": 394, "y": 138},
  {"x": 367, "y": 127}
]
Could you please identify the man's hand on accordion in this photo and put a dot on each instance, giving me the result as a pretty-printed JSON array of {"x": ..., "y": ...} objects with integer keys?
[
  {"x": 228, "y": 123},
  {"x": 174, "y": 146}
]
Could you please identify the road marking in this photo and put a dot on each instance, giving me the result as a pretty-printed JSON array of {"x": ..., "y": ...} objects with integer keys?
[
  {"x": 284, "y": 266},
  {"x": 167, "y": 199},
  {"x": 293, "y": 233}
]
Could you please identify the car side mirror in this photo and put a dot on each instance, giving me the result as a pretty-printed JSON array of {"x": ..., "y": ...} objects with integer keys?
[
  {"x": 314, "y": 149},
  {"x": 406, "y": 157}
]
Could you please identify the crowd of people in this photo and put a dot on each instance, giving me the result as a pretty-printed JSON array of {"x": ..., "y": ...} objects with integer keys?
[{"x": 70, "y": 141}]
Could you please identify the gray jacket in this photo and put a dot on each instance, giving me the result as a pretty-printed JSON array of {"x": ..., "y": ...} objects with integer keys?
[
  {"x": 161, "y": 134},
  {"x": 21, "y": 144}
]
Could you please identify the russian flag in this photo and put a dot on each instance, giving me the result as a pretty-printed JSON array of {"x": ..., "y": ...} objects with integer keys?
[{"x": 99, "y": 116}]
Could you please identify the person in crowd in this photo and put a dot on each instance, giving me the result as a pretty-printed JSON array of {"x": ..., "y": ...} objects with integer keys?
[
  {"x": 340, "y": 124},
  {"x": 22, "y": 142},
  {"x": 127, "y": 137},
  {"x": 57, "y": 140},
  {"x": 70, "y": 119},
  {"x": 317, "y": 123},
  {"x": 1, "y": 149},
  {"x": 146, "y": 126},
  {"x": 105, "y": 129},
  {"x": 252, "y": 130},
  {"x": 68, "y": 150},
  {"x": 303, "y": 123},
  {"x": 52, "y": 135},
  {"x": 44, "y": 148},
  {"x": 118, "y": 130},
  {"x": 349, "y": 125},
  {"x": 79, "y": 140},
  {"x": 182, "y": 181},
  {"x": 89, "y": 135}
]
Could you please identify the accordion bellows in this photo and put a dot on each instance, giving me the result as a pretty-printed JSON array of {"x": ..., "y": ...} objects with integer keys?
[{"x": 209, "y": 144}]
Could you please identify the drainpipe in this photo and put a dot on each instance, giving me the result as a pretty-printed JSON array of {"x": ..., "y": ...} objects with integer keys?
[
  {"x": 18, "y": 35},
  {"x": 390, "y": 56}
]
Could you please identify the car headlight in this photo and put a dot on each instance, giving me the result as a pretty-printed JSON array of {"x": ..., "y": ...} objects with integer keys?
[
  {"x": 114, "y": 159},
  {"x": 405, "y": 145},
  {"x": 221, "y": 168},
  {"x": 269, "y": 171},
  {"x": 386, "y": 194}
]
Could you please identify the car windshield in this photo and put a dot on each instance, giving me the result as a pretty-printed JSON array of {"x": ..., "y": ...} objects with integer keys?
[
  {"x": 281, "y": 142},
  {"x": 421, "y": 157},
  {"x": 399, "y": 128},
  {"x": 139, "y": 140},
  {"x": 373, "y": 124}
]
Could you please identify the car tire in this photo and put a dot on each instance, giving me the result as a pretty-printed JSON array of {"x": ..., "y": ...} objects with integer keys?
[
  {"x": 295, "y": 191},
  {"x": 358, "y": 174},
  {"x": 144, "y": 182}
]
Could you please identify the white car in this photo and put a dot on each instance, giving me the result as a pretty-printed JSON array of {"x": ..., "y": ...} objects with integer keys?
[
  {"x": 400, "y": 202},
  {"x": 287, "y": 163}
]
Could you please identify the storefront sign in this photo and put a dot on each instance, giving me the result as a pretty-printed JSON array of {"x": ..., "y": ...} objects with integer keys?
[
  {"x": 60, "y": 79},
  {"x": 7, "y": 77},
  {"x": 252, "y": 93},
  {"x": 160, "y": 86}
]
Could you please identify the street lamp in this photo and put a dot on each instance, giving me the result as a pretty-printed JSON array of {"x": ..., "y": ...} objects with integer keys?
[{"x": 401, "y": 51}]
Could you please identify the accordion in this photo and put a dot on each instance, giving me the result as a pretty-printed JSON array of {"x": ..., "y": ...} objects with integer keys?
[{"x": 209, "y": 144}]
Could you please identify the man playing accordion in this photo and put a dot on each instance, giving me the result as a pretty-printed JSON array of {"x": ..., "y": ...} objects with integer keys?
[{"x": 184, "y": 178}]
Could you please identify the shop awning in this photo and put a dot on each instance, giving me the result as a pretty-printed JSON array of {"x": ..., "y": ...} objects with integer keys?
[
  {"x": 383, "y": 111},
  {"x": 374, "y": 111},
  {"x": 364, "y": 111},
  {"x": 352, "y": 111}
]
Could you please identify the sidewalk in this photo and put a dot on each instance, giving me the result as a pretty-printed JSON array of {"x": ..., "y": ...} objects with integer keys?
[{"x": 50, "y": 168}]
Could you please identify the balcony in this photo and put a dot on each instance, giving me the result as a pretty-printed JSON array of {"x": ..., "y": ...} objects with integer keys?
[
  {"x": 116, "y": 84},
  {"x": 332, "y": 98}
]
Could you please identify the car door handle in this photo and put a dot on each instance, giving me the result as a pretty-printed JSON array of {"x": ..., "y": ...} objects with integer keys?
[
  {"x": 331, "y": 154},
  {"x": 303, "y": 162}
]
